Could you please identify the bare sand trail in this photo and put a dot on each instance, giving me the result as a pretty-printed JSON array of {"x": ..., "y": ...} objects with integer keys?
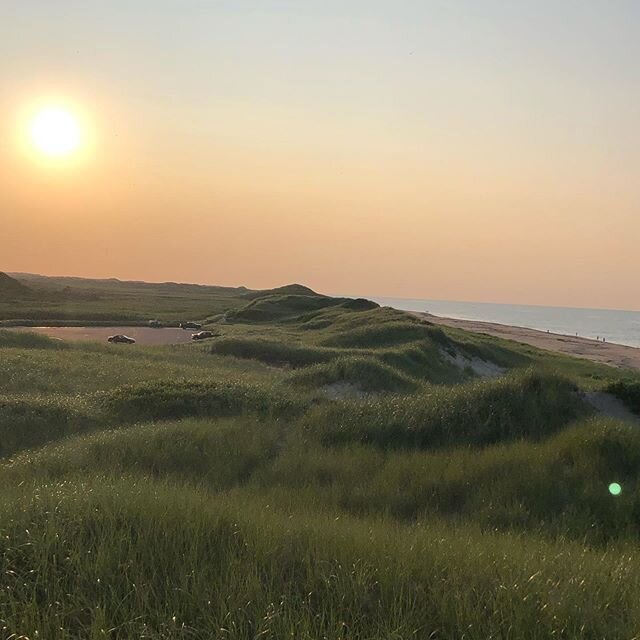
[{"x": 616, "y": 355}]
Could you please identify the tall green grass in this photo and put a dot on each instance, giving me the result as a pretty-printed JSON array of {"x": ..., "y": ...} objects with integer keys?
[
  {"x": 216, "y": 454},
  {"x": 202, "y": 492},
  {"x": 527, "y": 405},
  {"x": 136, "y": 558},
  {"x": 274, "y": 352},
  {"x": 28, "y": 340},
  {"x": 366, "y": 373},
  {"x": 383, "y": 335},
  {"x": 557, "y": 487},
  {"x": 180, "y": 398},
  {"x": 87, "y": 368},
  {"x": 29, "y": 421}
]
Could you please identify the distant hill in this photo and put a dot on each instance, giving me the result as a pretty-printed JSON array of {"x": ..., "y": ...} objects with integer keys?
[
  {"x": 58, "y": 283},
  {"x": 72, "y": 300},
  {"x": 114, "y": 285},
  {"x": 68, "y": 299},
  {"x": 286, "y": 290},
  {"x": 12, "y": 289}
]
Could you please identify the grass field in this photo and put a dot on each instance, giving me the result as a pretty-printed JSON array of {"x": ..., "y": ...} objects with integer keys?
[{"x": 324, "y": 468}]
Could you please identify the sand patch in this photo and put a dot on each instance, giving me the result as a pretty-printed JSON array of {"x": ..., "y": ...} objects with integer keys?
[
  {"x": 609, "y": 406},
  {"x": 481, "y": 368},
  {"x": 343, "y": 391}
]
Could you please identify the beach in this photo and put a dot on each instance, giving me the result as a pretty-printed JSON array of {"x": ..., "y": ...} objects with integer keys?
[{"x": 616, "y": 355}]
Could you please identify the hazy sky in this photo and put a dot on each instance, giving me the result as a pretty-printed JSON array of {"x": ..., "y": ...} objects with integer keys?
[{"x": 463, "y": 150}]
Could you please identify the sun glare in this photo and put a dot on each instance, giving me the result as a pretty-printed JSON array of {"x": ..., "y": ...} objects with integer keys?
[{"x": 55, "y": 132}]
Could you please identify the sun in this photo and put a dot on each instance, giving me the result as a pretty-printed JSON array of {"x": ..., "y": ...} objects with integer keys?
[{"x": 55, "y": 132}]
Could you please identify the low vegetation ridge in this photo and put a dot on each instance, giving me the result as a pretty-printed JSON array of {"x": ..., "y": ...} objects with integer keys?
[
  {"x": 321, "y": 468},
  {"x": 58, "y": 301}
]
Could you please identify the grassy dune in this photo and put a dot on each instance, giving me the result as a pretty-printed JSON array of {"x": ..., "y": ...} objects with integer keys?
[
  {"x": 365, "y": 372},
  {"x": 522, "y": 406},
  {"x": 137, "y": 557},
  {"x": 220, "y": 490}
]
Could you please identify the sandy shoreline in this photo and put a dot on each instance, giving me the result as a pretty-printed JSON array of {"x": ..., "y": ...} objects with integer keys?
[{"x": 616, "y": 355}]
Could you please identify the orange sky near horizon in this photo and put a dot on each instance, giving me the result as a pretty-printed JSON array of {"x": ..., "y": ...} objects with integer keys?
[{"x": 401, "y": 159}]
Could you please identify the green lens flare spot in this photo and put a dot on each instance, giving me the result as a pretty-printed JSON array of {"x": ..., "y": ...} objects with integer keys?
[{"x": 615, "y": 489}]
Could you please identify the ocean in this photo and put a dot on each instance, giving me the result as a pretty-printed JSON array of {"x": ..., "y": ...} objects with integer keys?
[{"x": 621, "y": 327}]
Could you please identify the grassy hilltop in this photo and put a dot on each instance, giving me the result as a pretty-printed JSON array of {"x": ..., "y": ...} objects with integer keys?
[{"x": 323, "y": 468}]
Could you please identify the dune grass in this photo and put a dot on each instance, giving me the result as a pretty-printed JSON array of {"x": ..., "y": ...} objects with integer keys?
[
  {"x": 218, "y": 455},
  {"x": 285, "y": 307},
  {"x": 143, "y": 558},
  {"x": 383, "y": 335},
  {"x": 527, "y": 405},
  {"x": 216, "y": 491},
  {"x": 365, "y": 373},
  {"x": 554, "y": 488},
  {"x": 175, "y": 399},
  {"x": 28, "y": 421},
  {"x": 274, "y": 352},
  {"x": 29, "y": 340}
]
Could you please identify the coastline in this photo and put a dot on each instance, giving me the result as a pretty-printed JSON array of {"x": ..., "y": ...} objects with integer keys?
[{"x": 615, "y": 355}]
